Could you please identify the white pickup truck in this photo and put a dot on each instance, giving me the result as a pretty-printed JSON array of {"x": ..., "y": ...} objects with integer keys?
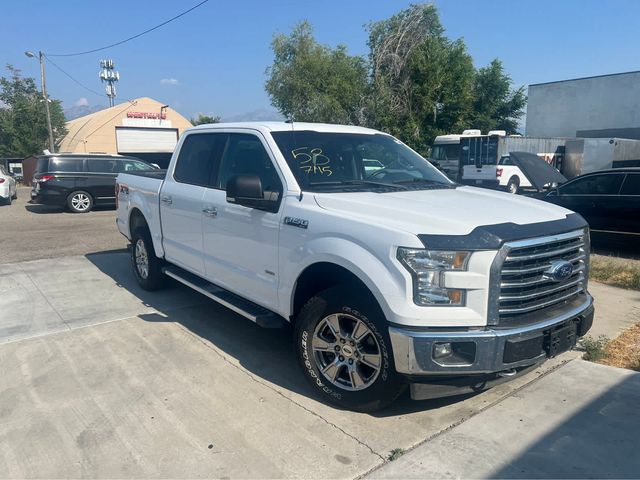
[{"x": 391, "y": 276}]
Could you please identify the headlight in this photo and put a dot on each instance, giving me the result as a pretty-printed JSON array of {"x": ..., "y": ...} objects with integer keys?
[{"x": 427, "y": 268}]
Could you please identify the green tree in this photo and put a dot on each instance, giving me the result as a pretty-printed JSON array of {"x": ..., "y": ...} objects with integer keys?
[
  {"x": 316, "y": 83},
  {"x": 202, "y": 119},
  {"x": 496, "y": 105},
  {"x": 422, "y": 83},
  {"x": 23, "y": 123}
]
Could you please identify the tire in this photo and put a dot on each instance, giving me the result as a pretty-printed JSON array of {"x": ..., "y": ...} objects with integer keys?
[
  {"x": 147, "y": 267},
  {"x": 80, "y": 201},
  {"x": 15, "y": 195},
  {"x": 514, "y": 185},
  {"x": 347, "y": 381}
]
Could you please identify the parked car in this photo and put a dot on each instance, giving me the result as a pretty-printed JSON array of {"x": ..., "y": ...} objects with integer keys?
[
  {"x": 391, "y": 277},
  {"x": 609, "y": 200},
  {"x": 509, "y": 175},
  {"x": 8, "y": 189},
  {"x": 79, "y": 182}
]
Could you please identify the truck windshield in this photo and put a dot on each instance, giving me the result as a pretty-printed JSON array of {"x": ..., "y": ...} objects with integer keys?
[{"x": 328, "y": 160}]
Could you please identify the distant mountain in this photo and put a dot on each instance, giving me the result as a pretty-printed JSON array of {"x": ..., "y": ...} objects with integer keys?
[
  {"x": 262, "y": 114},
  {"x": 74, "y": 112}
]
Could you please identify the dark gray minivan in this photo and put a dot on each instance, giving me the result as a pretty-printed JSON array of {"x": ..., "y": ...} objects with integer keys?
[{"x": 80, "y": 181}]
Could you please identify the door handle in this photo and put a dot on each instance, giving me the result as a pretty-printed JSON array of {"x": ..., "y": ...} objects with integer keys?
[
  {"x": 166, "y": 200},
  {"x": 210, "y": 211}
]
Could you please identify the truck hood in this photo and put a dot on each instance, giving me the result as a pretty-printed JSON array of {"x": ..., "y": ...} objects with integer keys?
[{"x": 441, "y": 212}]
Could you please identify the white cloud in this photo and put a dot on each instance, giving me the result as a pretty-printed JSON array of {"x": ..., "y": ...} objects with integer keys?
[
  {"x": 81, "y": 102},
  {"x": 169, "y": 81}
]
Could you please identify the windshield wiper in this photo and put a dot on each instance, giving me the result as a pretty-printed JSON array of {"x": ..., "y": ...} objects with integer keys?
[
  {"x": 357, "y": 182},
  {"x": 424, "y": 180}
]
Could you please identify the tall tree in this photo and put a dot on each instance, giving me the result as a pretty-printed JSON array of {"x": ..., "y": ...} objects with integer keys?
[
  {"x": 422, "y": 83},
  {"x": 496, "y": 105},
  {"x": 202, "y": 119},
  {"x": 313, "y": 82},
  {"x": 23, "y": 123}
]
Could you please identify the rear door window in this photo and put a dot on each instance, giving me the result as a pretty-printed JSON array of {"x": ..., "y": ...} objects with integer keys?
[
  {"x": 605, "y": 184},
  {"x": 99, "y": 165},
  {"x": 631, "y": 185},
  {"x": 199, "y": 158},
  {"x": 66, "y": 165}
]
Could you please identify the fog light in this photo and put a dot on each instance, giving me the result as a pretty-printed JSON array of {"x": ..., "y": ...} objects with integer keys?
[{"x": 442, "y": 350}]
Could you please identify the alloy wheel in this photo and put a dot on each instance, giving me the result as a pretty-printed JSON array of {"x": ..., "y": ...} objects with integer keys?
[
  {"x": 80, "y": 202},
  {"x": 346, "y": 351},
  {"x": 142, "y": 259}
]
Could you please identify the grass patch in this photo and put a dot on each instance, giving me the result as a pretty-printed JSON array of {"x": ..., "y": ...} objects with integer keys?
[
  {"x": 594, "y": 347},
  {"x": 615, "y": 271},
  {"x": 623, "y": 351},
  {"x": 395, "y": 454}
]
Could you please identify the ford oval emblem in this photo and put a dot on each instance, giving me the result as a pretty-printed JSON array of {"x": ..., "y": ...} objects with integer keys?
[{"x": 559, "y": 271}]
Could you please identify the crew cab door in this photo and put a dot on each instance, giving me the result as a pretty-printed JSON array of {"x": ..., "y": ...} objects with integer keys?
[
  {"x": 241, "y": 243},
  {"x": 181, "y": 200}
]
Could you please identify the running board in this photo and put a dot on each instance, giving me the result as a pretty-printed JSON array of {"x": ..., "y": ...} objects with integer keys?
[{"x": 260, "y": 315}]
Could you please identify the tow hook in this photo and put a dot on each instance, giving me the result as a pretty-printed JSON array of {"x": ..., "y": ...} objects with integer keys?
[{"x": 508, "y": 373}]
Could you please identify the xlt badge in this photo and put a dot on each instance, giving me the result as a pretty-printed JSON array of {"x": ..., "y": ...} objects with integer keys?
[{"x": 296, "y": 222}]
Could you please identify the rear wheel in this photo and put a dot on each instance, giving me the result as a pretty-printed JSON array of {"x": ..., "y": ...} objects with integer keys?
[
  {"x": 80, "y": 202},
  {"x": 344, "y": 350},
  {"x": 513, "y": 185},
  {"x": 147, "y": 267},
  {"x": 15, "y": 194}
]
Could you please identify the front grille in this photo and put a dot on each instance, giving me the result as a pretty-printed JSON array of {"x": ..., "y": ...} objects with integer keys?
[{"x": 525, "y": 286}]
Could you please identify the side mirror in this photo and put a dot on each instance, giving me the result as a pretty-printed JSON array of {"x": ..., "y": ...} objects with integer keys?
[
  {"x": 246, "y": 190},
  {"x": 155, "y": 165}
]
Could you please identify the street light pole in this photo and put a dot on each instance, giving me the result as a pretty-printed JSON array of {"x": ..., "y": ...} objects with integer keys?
[{"x": 43, "y": 78}]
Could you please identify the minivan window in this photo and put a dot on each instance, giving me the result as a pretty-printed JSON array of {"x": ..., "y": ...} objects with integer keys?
[
  {"x": 100, "y": 165},
  {"x": 65, "y": 165},
  {"x": 631, "y": 185},
  {"x": 132, "y": 166},
  {"x": 199, "y": 158},
  {"x": 43, "y": 165}
]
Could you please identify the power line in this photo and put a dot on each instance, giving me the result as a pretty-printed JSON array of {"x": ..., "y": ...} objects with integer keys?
[
  {"x": 130, "y": 38},
  {"x": 72, "y": 78}
]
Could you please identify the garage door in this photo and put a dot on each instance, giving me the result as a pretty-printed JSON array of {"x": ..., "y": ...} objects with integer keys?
[{"x": 146, "y": 140}]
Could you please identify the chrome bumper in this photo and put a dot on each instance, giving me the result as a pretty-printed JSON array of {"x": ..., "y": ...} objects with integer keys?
[{"x": 413, "y": 350}]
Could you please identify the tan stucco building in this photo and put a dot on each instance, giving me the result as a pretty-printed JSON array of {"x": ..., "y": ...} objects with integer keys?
[{"x": 141, "y": 128}]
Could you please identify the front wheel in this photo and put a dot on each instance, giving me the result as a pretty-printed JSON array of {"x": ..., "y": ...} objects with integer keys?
[
  {"x": 344, "y": 350},
  {"x": 147, "y": 267}
]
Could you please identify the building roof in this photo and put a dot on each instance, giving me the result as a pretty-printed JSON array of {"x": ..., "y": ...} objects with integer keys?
[
  {"x": 585, "y": 78},
  {"x": 94, "y": 133}
]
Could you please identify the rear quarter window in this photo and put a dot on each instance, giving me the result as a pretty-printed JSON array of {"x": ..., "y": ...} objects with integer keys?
[
  {"x": 65, "y": 165},
  {"x": 43, "y": 165}
]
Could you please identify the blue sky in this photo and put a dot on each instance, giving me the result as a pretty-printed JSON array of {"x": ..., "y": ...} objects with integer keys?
[{"x": 213, "y": 60}]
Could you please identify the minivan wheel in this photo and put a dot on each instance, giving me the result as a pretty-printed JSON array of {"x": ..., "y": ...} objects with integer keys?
[
  {"x": 80, "y": 202},
  {"x": 513, "y": 185},
  {"x": 344, "y": 349},
  {"x": 147, "y": 267}
]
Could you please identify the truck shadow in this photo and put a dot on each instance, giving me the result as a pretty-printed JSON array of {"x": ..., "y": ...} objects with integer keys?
[{"x": 265, "y": 354}]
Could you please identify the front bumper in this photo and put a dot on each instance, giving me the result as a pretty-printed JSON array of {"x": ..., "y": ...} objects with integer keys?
[{"x": 488, "y": 350}]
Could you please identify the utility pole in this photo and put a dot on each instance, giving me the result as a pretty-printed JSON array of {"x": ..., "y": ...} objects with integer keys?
[{"x": 43, "y": 79}]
